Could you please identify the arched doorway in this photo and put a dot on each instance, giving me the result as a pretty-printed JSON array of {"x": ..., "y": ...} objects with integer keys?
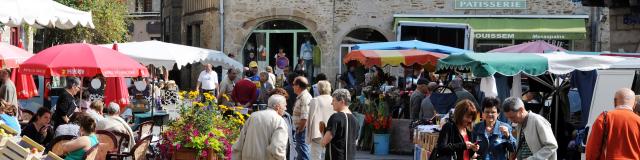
[
  {"x": 358, "y": 36},
  {"x": 269, "y": 37}
]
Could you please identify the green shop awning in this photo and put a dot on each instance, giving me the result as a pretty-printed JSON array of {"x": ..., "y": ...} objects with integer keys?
[{"x": 515, "y": 28}]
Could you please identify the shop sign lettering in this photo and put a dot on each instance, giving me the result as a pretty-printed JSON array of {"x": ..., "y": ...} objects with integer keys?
[
  {"x": 547, "y": 36},
  {"x": 490, "y": 4},
  {"x": 495, "y": 35}
]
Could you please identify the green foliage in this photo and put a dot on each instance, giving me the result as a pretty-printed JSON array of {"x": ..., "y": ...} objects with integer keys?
[{"x": 109, "y": 18}]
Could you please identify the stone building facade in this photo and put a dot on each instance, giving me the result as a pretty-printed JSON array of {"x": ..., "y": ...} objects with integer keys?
[
  {"x": 145, "y": 21},
  {"x": 330, "y": 21}
]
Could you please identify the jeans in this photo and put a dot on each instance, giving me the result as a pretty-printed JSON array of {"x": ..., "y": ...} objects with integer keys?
[
  {"x": 302, "y": 148},
  {"x": 308, "y": 66}
]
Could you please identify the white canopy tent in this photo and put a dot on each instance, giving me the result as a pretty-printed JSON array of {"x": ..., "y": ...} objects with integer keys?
[
  {"x": 42, "y": 13},
  {"x": 563, "y": 63},
  {"x": 167, "y": 54}
]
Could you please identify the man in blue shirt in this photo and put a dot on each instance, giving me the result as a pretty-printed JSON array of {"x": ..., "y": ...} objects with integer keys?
[{"x": 254, "y": 71}]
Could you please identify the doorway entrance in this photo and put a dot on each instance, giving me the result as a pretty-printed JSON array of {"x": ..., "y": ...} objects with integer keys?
[{"x": 266, "y": 40}]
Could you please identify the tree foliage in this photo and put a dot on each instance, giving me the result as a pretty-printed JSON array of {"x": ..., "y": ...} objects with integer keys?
[{"x": 109, "y": 18}]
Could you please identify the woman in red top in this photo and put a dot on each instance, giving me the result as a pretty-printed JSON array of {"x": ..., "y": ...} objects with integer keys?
[{"x": 454, "y": 140}]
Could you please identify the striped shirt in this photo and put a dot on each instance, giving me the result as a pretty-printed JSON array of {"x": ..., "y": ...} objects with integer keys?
[
  {"x": 301, "y": 107},
  {"x": 523, "y": 151}
]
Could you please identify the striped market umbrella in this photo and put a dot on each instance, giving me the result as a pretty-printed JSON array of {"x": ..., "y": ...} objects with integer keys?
[{"x": 382, "y": 58}]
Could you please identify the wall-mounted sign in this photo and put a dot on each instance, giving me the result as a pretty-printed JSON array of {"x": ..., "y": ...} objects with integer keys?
[
  {"x": 631, "y": 19},
  {"x": 490, "y": 4}
]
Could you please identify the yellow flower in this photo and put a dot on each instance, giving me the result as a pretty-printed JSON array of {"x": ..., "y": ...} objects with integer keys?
[
  {"x": 181, "y": 94},
  {"x": 208, "y": 96},
  {"x": 223, "y": 107},
  {"x": 198, "y": 104},
  {"x": 226, "y": 97},
  {"x": 193, "y": 94}
]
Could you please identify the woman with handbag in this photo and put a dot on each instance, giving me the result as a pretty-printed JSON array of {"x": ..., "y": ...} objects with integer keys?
[
  {"x": 341, "y": 131},
  {"x": 455, "y": 140}
]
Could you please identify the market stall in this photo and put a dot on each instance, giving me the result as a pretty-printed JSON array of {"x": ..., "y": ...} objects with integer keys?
[
  {"x": 380, "y": 106},
  {"x": 167, "y": 55},
  {"x": 552, "y": 74}
]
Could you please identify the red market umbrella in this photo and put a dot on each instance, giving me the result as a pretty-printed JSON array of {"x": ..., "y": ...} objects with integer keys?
[
  {"x": 116, "y": 90},
  {"x": 25, "y": 85},
  {"x": 82, "y": 60},
  {"x": 381, "y": 58},
  {"x": 11, "y": 56}
]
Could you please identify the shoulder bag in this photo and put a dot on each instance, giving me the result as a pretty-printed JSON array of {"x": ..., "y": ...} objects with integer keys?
[{"x": 346, "y": 140}]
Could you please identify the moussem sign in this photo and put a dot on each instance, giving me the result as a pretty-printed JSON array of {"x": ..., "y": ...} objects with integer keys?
[
  {"x": 490, "y": 4},
  {"x": 528, "y": 36}
]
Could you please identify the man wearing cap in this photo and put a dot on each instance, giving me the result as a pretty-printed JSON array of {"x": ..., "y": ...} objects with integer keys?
[
  {"x": 207, "y": 80},
  {"x": 416, "y": 98},
  {"x": 253, "y": 69}
]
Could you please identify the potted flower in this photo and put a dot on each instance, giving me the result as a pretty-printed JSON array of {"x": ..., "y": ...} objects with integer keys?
[
  {"x": 378, "y": 119},
  {"x": 203, "y": 130}
]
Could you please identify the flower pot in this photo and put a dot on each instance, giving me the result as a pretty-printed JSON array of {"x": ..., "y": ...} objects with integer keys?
[
  {"x": 381, "y": 144},
  {"x": 192, "y": 154}
]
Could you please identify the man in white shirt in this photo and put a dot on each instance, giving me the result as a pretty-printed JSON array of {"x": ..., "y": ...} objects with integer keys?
[{"x": 207, "y": 80}]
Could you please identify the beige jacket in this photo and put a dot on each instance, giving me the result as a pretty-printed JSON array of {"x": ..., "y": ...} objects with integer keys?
[
  {"x": 320, "y": 109},
  {"x": 540, "y": 138},
  {"x": 264, "y": 136}
]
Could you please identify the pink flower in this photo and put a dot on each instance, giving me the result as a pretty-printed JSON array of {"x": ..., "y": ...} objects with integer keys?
[
  {"x": 204, "y": 153},
  {"x": 177, "y": 146},
  {"x": 195, "y": 132},
  {"x": 210, "y": 134},
  {"x": 206, "y": 143}
]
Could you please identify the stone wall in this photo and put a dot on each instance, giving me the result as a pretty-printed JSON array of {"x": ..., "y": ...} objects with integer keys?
[
  {"x": 140, "y": 32},
  {"x": 624, "y": 37},
  {"x": 329, "y": 21}
]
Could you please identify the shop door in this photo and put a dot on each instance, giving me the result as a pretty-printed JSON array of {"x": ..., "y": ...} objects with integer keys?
[{"x": 279, "y": 41}]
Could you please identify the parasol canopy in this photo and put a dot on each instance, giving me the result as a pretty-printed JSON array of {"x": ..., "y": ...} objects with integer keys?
[
  {"x": 41, "y": 13},
  {"x": 11, "y": 56},
  {"x": 116, "y": 90},
  {"x": 407, "y": 45},
  {"x": 530, "y": 47},
  {"x": 82, "y": 60},
  {"x": 510, "y": 64},
  {"x": 169, "y": 54},
  {"x": 382, "y": 58}
]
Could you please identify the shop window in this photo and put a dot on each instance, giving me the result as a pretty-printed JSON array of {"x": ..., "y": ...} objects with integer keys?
[
  {"x": 167, "y": 29},
  {"x": 452, "y": 37},
  {"x": 485, "y": 45},
  {"x": 193, "y": 35}
]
